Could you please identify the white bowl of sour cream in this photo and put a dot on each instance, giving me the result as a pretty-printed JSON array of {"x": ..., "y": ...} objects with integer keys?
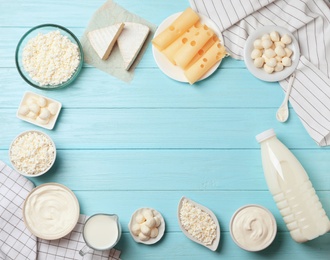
[
  {"x": 51, "y": 211},
  {"x": 253, "y": 227}
]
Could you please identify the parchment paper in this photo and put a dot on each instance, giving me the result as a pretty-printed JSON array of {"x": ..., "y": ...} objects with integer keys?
[{"x": 108, "y": 14}]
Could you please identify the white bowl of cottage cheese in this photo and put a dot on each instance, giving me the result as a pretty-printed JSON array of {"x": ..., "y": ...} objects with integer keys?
[
  {"x": 49, "y": 56},
  {"x": 32, "y": 153}
]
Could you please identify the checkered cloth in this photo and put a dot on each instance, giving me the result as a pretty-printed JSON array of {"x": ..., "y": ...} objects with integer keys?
[{"x": 16, "y": 241}]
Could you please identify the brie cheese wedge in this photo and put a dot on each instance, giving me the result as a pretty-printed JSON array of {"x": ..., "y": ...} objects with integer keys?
[
  {"x": 103, "y": 40},
  {"x": 131, "y": 40}
]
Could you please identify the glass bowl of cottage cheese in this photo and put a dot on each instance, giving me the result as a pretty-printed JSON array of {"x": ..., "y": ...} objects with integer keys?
[
  {"x": 49, "y": 56},
  {"x": 32, "y": 153}
]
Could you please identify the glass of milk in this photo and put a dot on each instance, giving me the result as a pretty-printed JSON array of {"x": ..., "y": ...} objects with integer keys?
[{"x": 101, "y": 232}]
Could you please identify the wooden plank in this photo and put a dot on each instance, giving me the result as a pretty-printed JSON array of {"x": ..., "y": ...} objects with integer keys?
[
  {"x": 151, "y": 89},
  {"x": 185, "y": 170},
  {"x": 161, "y": 128},
  {"x": 177, "y": 246}
]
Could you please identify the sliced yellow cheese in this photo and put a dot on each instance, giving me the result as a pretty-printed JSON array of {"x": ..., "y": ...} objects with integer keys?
[
  {"x": 188, "y": 51},
  {"x": 178, "y": 27},
  {"x": 210, "y": 58},
  {"x": 103, "y": 40},
  {"x": 131, "y": 41},
  {"x": 204, "y": 49},
  {"x": 170, "y": 51}
]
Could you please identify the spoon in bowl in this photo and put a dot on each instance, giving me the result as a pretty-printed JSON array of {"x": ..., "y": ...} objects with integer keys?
[{"x": 282, "y": 113}]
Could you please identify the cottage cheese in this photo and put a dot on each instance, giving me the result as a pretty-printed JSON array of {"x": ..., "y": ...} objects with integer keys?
[
  {"x": 198, "y": 223},
  {"x": 51, "y": 58},
  {"x": 32, "y": 153}
]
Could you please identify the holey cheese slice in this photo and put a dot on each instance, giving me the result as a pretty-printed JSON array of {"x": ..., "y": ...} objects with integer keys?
[
  {"x": 103, "y": 40},
  {"x": 214, "y": 54},
  {"x": 131, "y": 41}
]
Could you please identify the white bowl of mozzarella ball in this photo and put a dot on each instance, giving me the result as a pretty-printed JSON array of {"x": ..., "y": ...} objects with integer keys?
[
  {"x": 272, "y": 52},
  {"x": 147, "y": 226}
]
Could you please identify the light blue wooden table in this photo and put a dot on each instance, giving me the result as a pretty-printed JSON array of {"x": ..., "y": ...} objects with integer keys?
[{"x": 145, "y": 144}]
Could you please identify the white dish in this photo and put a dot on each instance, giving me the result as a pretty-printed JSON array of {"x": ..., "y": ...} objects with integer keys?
[
  {"x": 25, "y": 173},
  {"x": 51, "y": 213},
  {"x": 165, "y": 65},
  {"x": 161, "y": 228},
  {"x": 53, "y": 118},
  {"x": 259, "y": 72},
  {"x": 215, "y": 243}
]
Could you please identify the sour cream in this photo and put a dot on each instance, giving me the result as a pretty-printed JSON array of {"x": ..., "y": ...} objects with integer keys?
[
  {"x": 253, "y": 227},
  {"x": 51, "y": 211}
]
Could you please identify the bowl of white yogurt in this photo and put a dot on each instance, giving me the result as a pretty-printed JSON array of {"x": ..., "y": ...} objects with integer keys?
[
  {"x": 32, "y": 153},
  {"x": 253, "y": 227},
  {"x": 51, "y": 211}
]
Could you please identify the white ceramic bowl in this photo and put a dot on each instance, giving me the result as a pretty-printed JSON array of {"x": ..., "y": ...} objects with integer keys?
[
  {"x": 46, "y": 206},
  {"x": 251, "y": 233},
  {"x": 216, "y": 241},
  {"x": 17, "y": 168},
  {"x": 259, "y": 72},
  {"x": 161, "y": 228}
]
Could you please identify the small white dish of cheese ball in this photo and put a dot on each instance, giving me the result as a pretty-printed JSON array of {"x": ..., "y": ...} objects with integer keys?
[
  {"x": 39, "y": 110},
  {"x": 271, "y": 53},
  {"x": 147, "y": 226}
]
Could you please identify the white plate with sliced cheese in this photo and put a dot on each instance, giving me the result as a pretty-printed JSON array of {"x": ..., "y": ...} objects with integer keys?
[{"x": 168, "y": 68}]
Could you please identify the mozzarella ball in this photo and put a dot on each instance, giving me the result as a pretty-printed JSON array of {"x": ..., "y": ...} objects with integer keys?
[
  {"x": 139, "y": 218},
  {"x": 42, "y": 121},
  {"x": 274, "y": 36},
  {"x": 278, "y": 58},
  {"x": 280, "y": 51},
  {"x": 269, "y": 53},
  {"x": 147, "y": 213},
  {"x": 145, "y": 229},
  {"x": 288, "y": 52},
  {"x": 268, "y": 69},
  {"x": 279, "y": 67},
  {"x": 30, "y": 100},
  {"x": 157, "y": 221},
  {"x": 34, "y": 108},
  {"x": 44, "y": 114},
  {"x": 42, "y": 102},
  {"x": 32, "y": 115},
  {"x": 286, "y": 61},
  {"x": 271, "y": 62},
  {"x": 259, "y": 62},
  {"x": 265, "y": 37},
  {"x": 143, "y": 237},
  {"x": 256, "y": 53},
  {"x": 279, "y": 44},
  {"x": 154, "y": 232},
  {"x": 136, "y": 229},
  {"x": 24, "y": 110},
  {"x": 150, "y": 222},
  {"x": 286, "y": 39},
  {"x": 267, "y": 43},
  {"x": 53, "y": 108},
  {"x": 257, "y": 44}
]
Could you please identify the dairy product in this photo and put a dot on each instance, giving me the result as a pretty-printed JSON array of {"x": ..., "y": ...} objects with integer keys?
[
  {"x": 32, "y": 153},
  {"x": 197, "y": 223},
  {"x": 101, "y": 231},
  {"x": 145, "y": 224},
  {"x": 50, "y": 58},
  {"x": 292, "y": 190},
  {"x": 253, "y": 227},
  {"x": 51, "y": 211}
]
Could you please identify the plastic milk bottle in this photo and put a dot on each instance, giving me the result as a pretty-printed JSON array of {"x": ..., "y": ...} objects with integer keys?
[{"x": 292, "y": 190}]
